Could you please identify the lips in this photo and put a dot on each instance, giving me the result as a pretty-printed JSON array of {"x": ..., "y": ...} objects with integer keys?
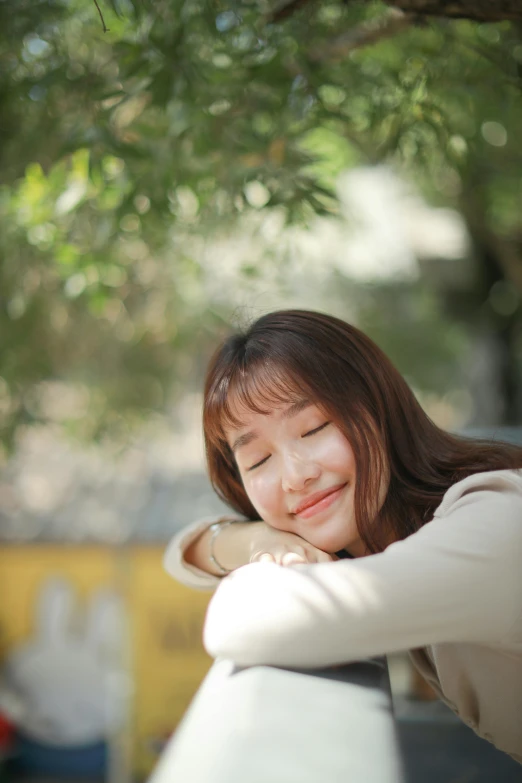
[{"x": 316, "y": 498}]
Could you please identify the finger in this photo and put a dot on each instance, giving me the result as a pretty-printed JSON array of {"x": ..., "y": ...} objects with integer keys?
[
  {"x": 263, "y": 557},
  {"x": 324, "y": 557},
  {"x": 292, "y": 558}
]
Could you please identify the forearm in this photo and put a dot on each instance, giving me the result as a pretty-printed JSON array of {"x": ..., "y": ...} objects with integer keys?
[
  {"x": 188, "y": 556},
  {"x": 231, "y": 548},
  {"x": 453, "y": 581}
]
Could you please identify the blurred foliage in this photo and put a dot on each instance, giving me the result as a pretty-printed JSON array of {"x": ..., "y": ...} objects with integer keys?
[{"x": 119, "y": 149}]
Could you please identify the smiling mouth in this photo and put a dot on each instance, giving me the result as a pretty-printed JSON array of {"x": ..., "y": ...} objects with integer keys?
[{"x": 324, "y": 500}]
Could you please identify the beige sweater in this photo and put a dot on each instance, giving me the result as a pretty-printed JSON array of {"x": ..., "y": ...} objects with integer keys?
[{"x": 450, "y": 593}]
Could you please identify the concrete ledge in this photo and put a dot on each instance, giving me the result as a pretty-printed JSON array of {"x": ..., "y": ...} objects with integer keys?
[{"x": 270, "y": 725}]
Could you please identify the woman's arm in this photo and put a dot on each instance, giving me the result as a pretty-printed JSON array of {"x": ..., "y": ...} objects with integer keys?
[
  {"x": 458, "y": 579},
  {"x": 188, "y": 556},
  {"x": 230, "y": 547}
]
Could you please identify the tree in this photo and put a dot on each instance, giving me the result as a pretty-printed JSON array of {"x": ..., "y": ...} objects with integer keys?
[
  {"x": 116, "y": 147},
  {"x": 484, "y": 11}
]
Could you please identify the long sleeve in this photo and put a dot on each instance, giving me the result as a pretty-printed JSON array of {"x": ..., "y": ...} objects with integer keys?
[
  {"x": 175, "y": 564},
  {"x": 458, "y": 579}
]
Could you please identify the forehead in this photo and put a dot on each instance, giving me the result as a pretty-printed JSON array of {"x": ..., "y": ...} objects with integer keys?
[
  {"x": 263, "y": 388},
  {"x": 245, "y": 416},
  {"x": 252, "y": 425}
]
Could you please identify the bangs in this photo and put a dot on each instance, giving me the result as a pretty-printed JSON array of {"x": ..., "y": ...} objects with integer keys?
[{"x": 259, "y": 388}]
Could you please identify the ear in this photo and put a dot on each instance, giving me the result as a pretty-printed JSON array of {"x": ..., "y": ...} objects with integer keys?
[
  {"x": 54, "y": 608},
  {"x": 105, "y": 629}
]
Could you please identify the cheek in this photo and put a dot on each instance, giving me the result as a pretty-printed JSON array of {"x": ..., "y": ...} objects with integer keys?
[
  {"x": 262, "y": 491},
  {"x": 339, "y": 455}
]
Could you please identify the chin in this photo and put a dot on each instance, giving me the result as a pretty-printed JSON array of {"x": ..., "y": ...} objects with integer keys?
[
  {"x": 331, "y": 546},
  {"x": 354, "y": 547},
  {"x": 338, "y": 540}
]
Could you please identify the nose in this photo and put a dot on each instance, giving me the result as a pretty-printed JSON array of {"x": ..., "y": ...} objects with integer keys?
[{"x": 297, "y": 472}]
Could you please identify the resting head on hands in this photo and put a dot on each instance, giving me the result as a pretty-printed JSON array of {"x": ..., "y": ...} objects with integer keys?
[
  {"x": 295, "y": 432},
  {"x": 313, "y": 435}
]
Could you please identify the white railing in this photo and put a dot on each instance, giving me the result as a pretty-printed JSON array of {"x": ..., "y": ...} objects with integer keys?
[{"x": 269, "y": 725}]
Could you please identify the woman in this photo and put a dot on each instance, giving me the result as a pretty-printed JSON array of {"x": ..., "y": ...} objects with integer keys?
[{"x": 397, "y": 534}]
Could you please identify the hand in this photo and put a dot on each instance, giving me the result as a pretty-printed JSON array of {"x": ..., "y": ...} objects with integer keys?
[{"x": 287, "y": 549}]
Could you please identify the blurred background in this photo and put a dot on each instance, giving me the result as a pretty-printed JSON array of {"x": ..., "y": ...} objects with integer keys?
[{"x": 170, "y": 170}]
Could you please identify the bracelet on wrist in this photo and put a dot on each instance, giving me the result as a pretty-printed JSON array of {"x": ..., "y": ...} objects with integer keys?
[{"x": 215, "y": 529}]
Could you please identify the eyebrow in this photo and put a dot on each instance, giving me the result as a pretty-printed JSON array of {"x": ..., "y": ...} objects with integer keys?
[{"x": 288, "y": 413}]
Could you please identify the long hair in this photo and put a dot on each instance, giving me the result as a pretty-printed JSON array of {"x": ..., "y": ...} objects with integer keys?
[{"x": 294, "y": 354}]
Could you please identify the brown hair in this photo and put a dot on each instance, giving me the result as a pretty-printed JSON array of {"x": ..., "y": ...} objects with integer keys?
[{"x": 294, "y": 354}]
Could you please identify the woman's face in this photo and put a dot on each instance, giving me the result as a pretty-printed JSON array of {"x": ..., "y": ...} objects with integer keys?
[{"x": 298, "y": 470}]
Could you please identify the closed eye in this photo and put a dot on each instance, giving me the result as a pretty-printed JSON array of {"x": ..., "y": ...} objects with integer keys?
[
  {"x": 317, "y": 429},
  {"x": 306, "y": 434},
  {"x": 258, "y": 464}
]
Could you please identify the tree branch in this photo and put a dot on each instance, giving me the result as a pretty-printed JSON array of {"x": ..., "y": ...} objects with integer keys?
[
  {"x": 286, "y": 9},
  {"x": 476, "y": 10},
  {"x": 105, "y": 28},
  {"x": 391, "y": 23}
]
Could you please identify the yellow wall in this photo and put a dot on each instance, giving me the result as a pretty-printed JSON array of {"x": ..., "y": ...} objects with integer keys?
[{"x": 166, "y": 658}]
